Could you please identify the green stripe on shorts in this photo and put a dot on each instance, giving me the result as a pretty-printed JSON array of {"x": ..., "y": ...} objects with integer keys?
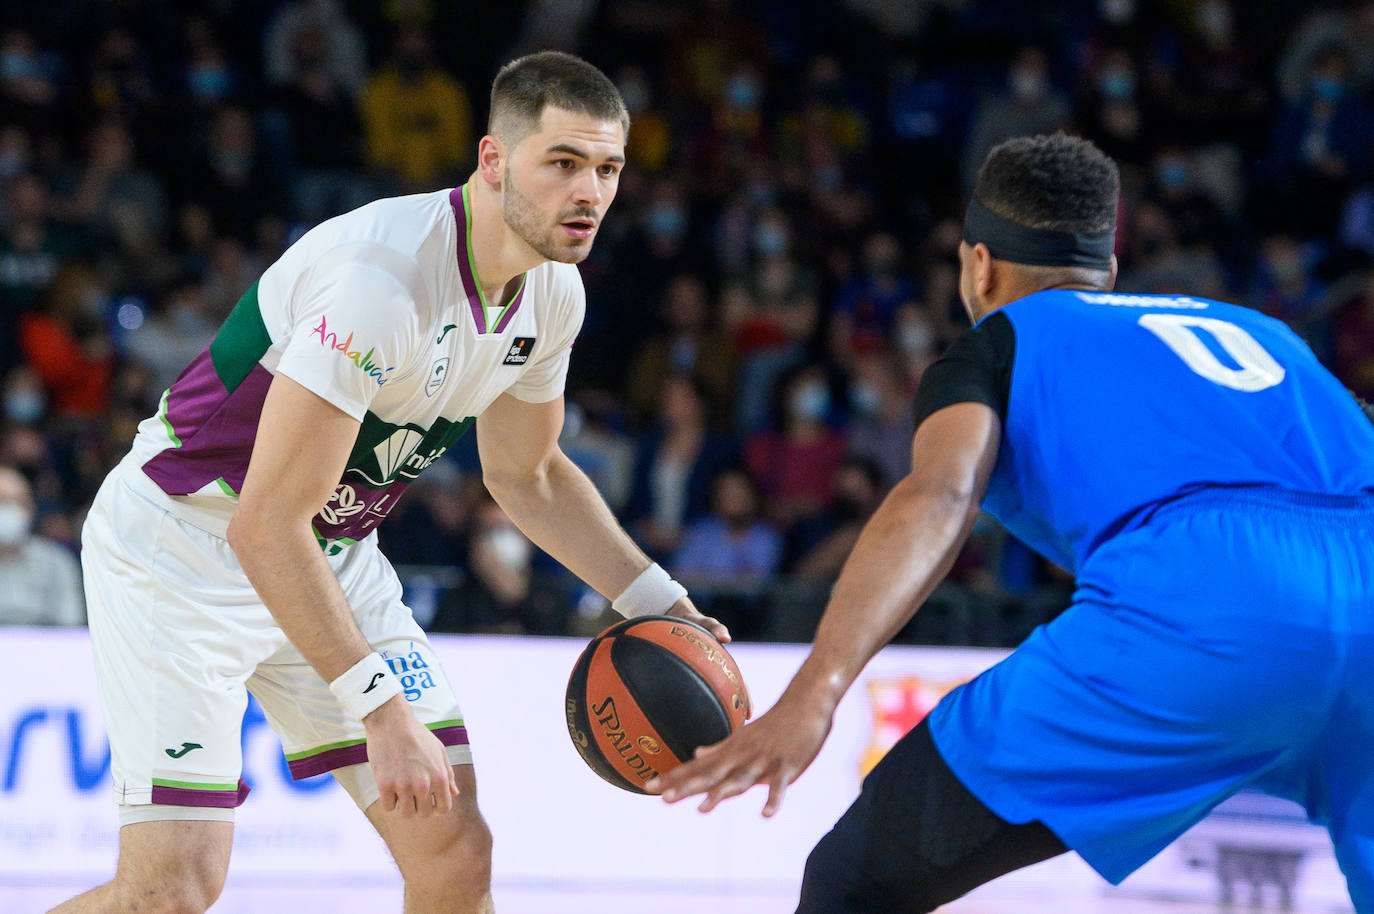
[
  {"x": 344, "y": 744},
  {"x": 189, "y": 785}
]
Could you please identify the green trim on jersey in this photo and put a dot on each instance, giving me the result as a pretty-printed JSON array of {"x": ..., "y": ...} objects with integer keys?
[
  {"x": 226, "y": 488},
  {"x": 477, "y": 280},
  {"x": 166, "y": 423},
  {"x": 334, "y": 546},
  {"x": 240, "y": 342}
]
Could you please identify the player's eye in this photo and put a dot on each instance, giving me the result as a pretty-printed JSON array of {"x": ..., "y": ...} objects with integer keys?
[
  {"x": 564, "y": 164},
  {"x": 609, "y": 171}
]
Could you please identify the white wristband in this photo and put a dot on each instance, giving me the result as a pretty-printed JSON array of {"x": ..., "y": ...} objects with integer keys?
[
  {"x": 652, "y": 593},
  {"x": 366, "y": 686}
]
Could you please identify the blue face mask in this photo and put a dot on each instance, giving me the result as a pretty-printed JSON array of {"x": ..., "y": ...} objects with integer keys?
[
  {"x": 666, "y": 221},
  {"x": 1172, "y": 174},
  {"x": 770, "y": 241},
  {"x": 1327, "y": 88},
  {"x": 12, "y": 162},
  {"x": 23, "y": 407},
  {"x": 810, "y": 401},
  {"x": 742, "y": 93},
  {"x": 1116, "y": 85},
  {"x": 866, "y": 398},
  {"x": 209, "y": 82},
  {"x": 19, "y": 65}
]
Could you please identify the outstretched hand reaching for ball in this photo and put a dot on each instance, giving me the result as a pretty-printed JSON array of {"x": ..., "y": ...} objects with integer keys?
[{"x": 774, "y": 750}]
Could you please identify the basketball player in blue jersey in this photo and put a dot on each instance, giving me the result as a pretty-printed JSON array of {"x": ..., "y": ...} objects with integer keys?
[{"x": 1210, "y": 485}]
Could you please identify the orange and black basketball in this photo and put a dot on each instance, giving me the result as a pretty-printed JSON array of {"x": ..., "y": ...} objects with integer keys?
[{"x": 646, "y": 693}]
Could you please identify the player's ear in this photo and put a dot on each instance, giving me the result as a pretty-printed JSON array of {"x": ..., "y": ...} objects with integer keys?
[
  {"x": 983, "y": 271},
  {"x": 491, "y": 160}
]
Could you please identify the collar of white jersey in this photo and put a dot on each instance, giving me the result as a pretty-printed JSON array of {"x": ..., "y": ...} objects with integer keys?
[{"x": 486, "y": 318}]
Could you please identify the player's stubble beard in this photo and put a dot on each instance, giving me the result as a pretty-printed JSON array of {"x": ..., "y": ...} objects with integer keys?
[{"x": 524, "y": 219}]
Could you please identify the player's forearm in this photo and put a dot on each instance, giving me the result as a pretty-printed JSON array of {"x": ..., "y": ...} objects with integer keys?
[
  {"x": 560, "y": 510},
  {"x": 905, "y": 550},
  {"x": 286, "y": 567}
]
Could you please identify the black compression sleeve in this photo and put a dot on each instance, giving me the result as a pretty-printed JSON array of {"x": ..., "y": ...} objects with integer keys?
[{"x": 975, "y": 369}]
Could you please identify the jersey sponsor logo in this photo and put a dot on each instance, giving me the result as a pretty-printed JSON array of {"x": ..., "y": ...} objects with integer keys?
[
  {"x": 519, "y": 351},
  {"x": 385, "y": 459},
  {"x": 342, "y": 505},
  {"x": 398, "y": 457},
  {"x": 330, "y": 340},
  {"x": 443, "y": 333},
  {"x": 438, "y": 373},
  {"x": 1141, "y": 301}
]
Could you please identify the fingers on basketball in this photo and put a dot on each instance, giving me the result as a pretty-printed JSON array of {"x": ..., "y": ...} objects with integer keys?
[{"x": 646, "y": 694}]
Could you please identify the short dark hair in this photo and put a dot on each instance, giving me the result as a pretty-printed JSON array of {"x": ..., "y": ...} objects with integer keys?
[
  {"x": 524, "y": 87},
  {"x": 1056, "y": 182}
]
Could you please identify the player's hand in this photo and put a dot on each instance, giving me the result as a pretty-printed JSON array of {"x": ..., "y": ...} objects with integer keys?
[
  {"x": 413, "y": 775},
  {"x": 683, "y": 609},
  {"x": 774, "y": 750}
]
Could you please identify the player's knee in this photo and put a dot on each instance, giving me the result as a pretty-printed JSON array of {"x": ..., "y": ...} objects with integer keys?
[
  {"x": 188, "y": 890},
  {"x": 462, "y": 863},
  {"x": 839, "y": 880}
]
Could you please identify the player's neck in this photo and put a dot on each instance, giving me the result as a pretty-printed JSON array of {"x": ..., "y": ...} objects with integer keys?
[
  {"x": 1015, "y": 291},
  {"x": 498, "y": 254}
]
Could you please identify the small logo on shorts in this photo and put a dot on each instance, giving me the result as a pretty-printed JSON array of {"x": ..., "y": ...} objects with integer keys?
[
  {"x": 185, "y": 748},
  {"x": 376, "y": 678},
  {"x": 519, "y": 351}
]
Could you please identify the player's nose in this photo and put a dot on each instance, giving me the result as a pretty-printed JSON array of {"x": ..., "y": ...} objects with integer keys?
[{"x": 587, "y": 190}]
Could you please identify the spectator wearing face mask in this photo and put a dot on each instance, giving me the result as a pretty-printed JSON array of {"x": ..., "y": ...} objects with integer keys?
[
  {"x": 795, "y": 462},
  {"x": 866, "y": 303},
  {"x": 417, "y": 117},
  {"x": 1028, "y": 105},
  {"x": 819, "y": 547},
  {"x": 881, "y": 419},
  {"x": 1318, "y": 152},
  {"x": 728, "y": 556},
  {"x": 40, "y": 583},
  {"x": 503, "y": 592}
]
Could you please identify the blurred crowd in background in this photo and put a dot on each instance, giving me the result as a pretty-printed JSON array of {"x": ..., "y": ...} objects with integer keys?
[{"x": 776, "y": 273}]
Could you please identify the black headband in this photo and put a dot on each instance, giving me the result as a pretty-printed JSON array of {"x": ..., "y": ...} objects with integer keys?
[{"x": 1007, "y": 240}]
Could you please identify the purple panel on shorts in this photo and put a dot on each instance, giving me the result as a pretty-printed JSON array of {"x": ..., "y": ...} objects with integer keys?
[
  {"x": 181, "y": 796},
  {"x": 328, "y": 760},
  {"x": 356, "y": 754},
  {"x": 216, "y": 429}
]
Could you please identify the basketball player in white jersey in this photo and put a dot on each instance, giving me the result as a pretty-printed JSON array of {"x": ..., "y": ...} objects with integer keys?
[{"x": 233, "y": 549}]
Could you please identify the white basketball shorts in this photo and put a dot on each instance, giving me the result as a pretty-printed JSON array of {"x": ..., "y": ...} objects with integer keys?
[{"x": 180, "y": 637}]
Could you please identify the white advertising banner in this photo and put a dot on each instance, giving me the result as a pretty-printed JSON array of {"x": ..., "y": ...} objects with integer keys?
[{"x": 556, "y": 824}]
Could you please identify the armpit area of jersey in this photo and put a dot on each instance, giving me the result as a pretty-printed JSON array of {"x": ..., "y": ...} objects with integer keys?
[{"x": 975, "y": 369}]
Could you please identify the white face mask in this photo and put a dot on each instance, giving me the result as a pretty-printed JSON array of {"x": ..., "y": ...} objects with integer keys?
[
  {"x": 509, "y": 546},
  {"x": 14, "y": 523}
]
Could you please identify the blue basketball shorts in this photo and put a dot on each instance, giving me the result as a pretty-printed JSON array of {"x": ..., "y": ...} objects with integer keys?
[{"x": 1227, "y": 643}]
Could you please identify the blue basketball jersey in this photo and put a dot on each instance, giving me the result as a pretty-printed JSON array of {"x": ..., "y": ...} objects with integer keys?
[{"x": 1116, "y": 404}]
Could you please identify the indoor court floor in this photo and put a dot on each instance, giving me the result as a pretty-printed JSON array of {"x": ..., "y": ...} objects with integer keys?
[{"x": 583, "y": 899}]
